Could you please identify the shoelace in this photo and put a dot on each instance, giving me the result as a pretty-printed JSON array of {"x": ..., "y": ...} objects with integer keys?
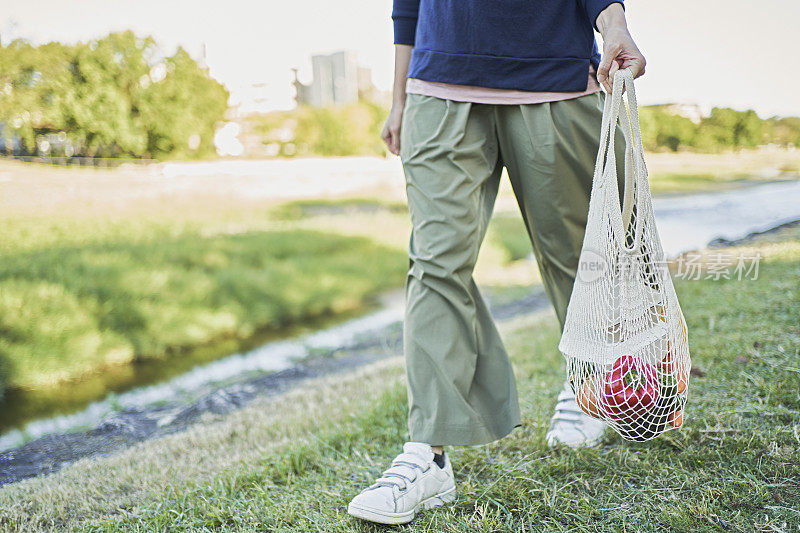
[{"x": 400, "y": 473}]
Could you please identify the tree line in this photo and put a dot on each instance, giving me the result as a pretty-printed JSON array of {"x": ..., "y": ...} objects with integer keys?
[
  {"x": 354, "y": 129},
  {"x": 118, "y": 96},
  {"x": 722, "y": 129}
]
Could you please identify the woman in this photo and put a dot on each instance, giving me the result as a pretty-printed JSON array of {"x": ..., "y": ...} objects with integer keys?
[{"x": 479, "y": 86}]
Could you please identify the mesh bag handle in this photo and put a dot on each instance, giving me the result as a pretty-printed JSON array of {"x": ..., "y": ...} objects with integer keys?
[{"x": 615, "y": 110}]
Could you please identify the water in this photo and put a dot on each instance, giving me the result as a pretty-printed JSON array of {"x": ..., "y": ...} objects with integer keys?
[
  {"x": 685, "y": 222},
  {"x": 689, "y": 222}
]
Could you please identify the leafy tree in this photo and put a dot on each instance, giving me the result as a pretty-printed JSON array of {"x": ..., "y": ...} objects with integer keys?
[
  {"x": 664, "y": 129},
  {"x": 783, "y": 131},
  {"x": 116, "y": 96},
  {"x": 727, "y": 128},
  {"x": 723, "y": 129}
]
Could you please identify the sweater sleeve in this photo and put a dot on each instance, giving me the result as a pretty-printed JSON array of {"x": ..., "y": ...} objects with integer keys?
[
  {"x": 593, "y": 8},
  {"x": 405, "y": 14}
]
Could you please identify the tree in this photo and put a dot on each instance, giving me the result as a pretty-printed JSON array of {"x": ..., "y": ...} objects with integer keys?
[
  {"x": 116, "y": 96},
  {"x": 181, "y": 101},
  {"x": 727, "y": 128},
  {"x": 783, "y": 131},
  {"x": 664, "y": 129}
]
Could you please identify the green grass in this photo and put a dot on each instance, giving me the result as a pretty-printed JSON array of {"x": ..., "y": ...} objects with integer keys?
[
  {"x": 507, "y": 230},
  {"x": 677, "y": 182},
  {"x": 688, "y": 172},
  {"x": 735, "y": 465},
  {"x": 133, "y": 290},
  {"x": 82, "y": 291},
  {"x": 108, "y": 279},
  {"x": 300, "y": 209}
]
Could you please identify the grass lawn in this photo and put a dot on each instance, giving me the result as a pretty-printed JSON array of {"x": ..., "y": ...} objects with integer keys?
[
  {"x": 85, "y": 292},
  {"x": 71, "y": 308},
  {"x": 688, "y": 172},
  {"x": 101, "y": 268},
  {"x": 692, "y": 182},
  {"x": 293, "y": 463},
  {"x": 78, "y": 293}
]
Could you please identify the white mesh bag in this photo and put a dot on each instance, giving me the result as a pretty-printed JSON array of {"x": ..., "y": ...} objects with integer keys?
[{"x": 625, "y": 338}]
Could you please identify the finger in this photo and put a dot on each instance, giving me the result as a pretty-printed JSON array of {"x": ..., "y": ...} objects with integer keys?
[
  {"x": 608, "y": 84},
  {"x": 602, "y": 69},
  {"x": 394, "y": 145},
  {"x": 602, "y": 77},
  {"x": 604, "y": 81},
  {"x": 613, "y": 70},
  {"x": 638, "y": 67},
  {"x": 605, "y": 64},
  {"x": 386, "y": 135}
]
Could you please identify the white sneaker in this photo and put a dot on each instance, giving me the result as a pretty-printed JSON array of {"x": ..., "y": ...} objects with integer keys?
[
  {"x": 572, "y": 427},
  {"x": 413, "y": 482}
]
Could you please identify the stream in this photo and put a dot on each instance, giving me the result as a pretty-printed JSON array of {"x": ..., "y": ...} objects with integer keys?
[{"x": 685, "y": 222}]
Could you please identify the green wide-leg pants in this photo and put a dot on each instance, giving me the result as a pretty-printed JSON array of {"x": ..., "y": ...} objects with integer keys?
[{"x": 461, "y": 384}]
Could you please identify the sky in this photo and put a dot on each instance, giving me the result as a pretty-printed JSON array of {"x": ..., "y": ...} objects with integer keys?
[{"x": 733, "y": 53}]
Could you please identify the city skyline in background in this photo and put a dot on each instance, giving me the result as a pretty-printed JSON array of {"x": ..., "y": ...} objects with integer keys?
[{"x": 715, "y": 53}]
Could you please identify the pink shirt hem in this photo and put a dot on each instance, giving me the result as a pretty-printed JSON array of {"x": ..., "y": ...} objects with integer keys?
[{"x": 488, "y": 95}]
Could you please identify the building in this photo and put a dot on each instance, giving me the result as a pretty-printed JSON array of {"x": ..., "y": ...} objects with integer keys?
[{"x": 337, "y": 79}]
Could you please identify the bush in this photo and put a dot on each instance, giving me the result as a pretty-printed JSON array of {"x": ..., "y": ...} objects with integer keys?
[{"x": 352, "y": 129}]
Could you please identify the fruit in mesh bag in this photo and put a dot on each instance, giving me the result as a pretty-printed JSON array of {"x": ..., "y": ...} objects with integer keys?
[
  {"x": 669, "y": 407},
  {"x": 669, "y": 365},
  {"x": 667, "y": 410},
  {"x": 630, "y": 389},
  {"x": 587, "y": 396},
  {"x": 658, "y": 313},
  {"x": 674, "y": 380}
]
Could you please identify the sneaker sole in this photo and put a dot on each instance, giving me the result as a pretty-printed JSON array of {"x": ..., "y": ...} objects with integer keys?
[
  {"x": 589, "y": 443},
  {"x": 382, "y": 517}
]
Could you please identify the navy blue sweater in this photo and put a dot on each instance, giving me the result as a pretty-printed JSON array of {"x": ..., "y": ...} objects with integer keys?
[{"x": 529, "y": 45}]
